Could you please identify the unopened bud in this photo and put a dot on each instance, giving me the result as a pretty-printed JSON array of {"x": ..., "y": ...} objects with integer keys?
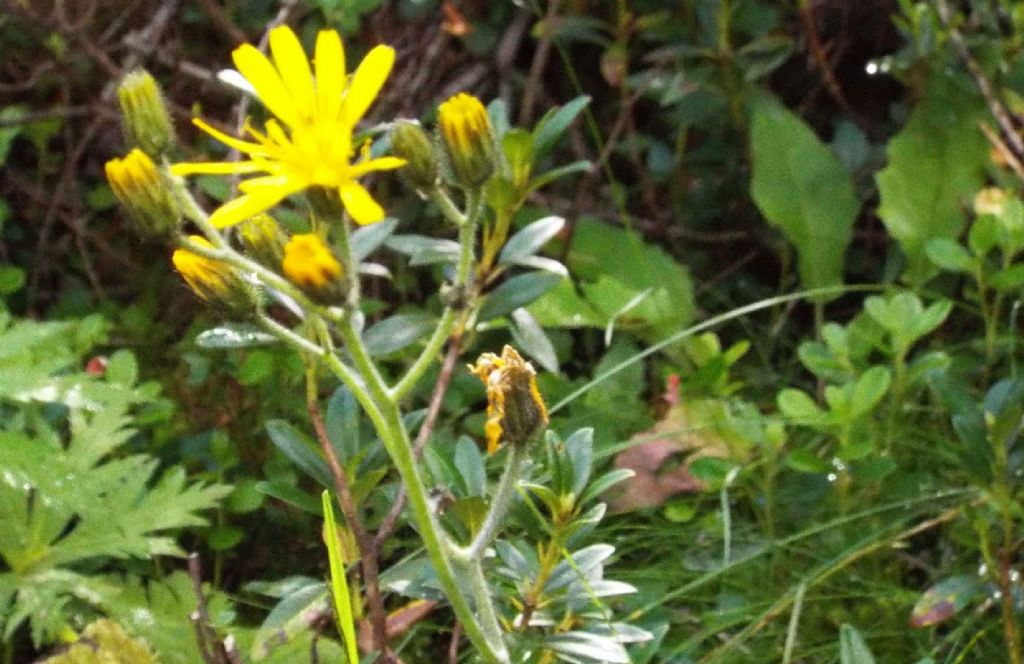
[
  {"x": 263, "y": 239},
  {"x": 311, "y": 265},
  {"x": 147, "y": 124},
  {"x": 468, "y": 139},
  {"x": 410, "y": 142},
  {"x": 212, "y": 280},
  {"x": 146, "y": 195},
  {"x": 515, "y": 410}
]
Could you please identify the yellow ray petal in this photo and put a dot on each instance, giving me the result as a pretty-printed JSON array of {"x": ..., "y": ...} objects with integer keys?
[
  {"x": 219, "y": 167},
  {"x": 230, "y": 141},
  {"x": 239, "y": 209},
  {"x": 329, "y": 62},
  {"x": 271, "y": 90},
  {"x": 379, "y": 164},
  {"x": 366, "y": 82},
  {"x": 286, "y": 183},
  {"x": 359, "y": 203},
  {"x": 294, "y": 69}
]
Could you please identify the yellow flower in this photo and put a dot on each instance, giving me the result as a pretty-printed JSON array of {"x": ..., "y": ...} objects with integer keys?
[
  {"x": 136, "y": 182},
  {"x": 515, "y": 408},
  {"x": 209, "y": 279},
  {"x": 310, "y": 264},
  {"x": 309, "y": 144},
  {"x": 468, "y": 139}
]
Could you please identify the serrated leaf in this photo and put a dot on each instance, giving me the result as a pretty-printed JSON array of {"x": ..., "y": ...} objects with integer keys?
[{"x": 802, "y": 188}]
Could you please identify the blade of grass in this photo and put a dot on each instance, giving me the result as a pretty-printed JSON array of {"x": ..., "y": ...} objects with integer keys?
[{"x": 339, "y": 582}]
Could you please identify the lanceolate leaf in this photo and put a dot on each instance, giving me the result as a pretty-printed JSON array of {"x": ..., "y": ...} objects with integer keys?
[
  {"x": 935, "y": 162},
  {"x": 802, "y": 188}
]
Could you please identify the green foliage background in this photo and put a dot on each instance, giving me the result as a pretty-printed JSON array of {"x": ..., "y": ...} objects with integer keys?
[{"x": 849, "y": 456}]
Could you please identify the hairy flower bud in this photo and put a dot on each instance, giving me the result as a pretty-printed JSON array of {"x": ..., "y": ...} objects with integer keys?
[
  {"x": 311, "y": 265},
  {"x": 212, "y": 280},
  {"x": 410, "y": 142},
  {"x": 515, "y": 410},
  {"x": 468, "y": 139},
  {"x": 139, "y": 186},
  {"x": 263, "y": 239},
  {"x": 147, "y": 124}
]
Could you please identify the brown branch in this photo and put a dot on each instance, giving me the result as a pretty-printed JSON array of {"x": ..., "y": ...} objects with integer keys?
[
  {"x": 453, "y": 645},
  {"x": 220, "y": 18},
  {"x": 364, "y": 542},
  {"x": 211, "y": 648},
  {"x": 820, "y": 60},
  {"x": 995, "y": 105},
  {"x": 444, "y": 379},
  {"x": 540, "y": 60}
]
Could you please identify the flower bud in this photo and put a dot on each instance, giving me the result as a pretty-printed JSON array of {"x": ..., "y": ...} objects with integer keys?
[
  {"x": 145, "y": 194},
  {"x": 212, "y": 280},
  {"x": 411, "y": 143},
  {"x": 311, "y": 265},
  {"x": 263, "y": 239},
  {"x": 147, "y": 124},
  {"x": 468, "y": 139},
  {"x": 515, "y": 410}
]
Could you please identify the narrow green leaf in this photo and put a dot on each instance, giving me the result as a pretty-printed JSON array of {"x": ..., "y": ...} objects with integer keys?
[
  {"x": 339, "y": 582},
  {"x": 397, "y": 332},
  {"x": 852, "y": 647},
  {"x": 555, "y": 122},
  {"x": 530, "y": 239},
  {"x": 516, "y": 292}
]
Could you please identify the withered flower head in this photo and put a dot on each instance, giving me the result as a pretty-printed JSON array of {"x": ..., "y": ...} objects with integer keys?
[{"x": 515, "y": 410}]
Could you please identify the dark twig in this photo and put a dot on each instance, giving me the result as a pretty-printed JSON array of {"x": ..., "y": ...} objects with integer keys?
[
  {"x": 540, "y": 60},
  {"x": 453, "y": 645},
  {"x": 995, "y": 105},
  {"x": 210, "y": 647},
  {"x": 364, "y": 542},
  {"x": 444, "y": 379},
  {"x": 820, "y": 60}
]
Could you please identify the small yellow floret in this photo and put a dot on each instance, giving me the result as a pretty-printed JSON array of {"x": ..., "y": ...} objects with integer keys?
[
  {"x": 468, "y": 138},
  {"x": 309, "y": 263},
  {"x": 209, "y": 279},
  {"x": 136, "y": 182}
]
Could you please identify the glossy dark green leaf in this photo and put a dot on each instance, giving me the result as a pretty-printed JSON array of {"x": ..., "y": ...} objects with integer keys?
[
  {"x": 367, "y": 239},
  {"x": 944, "y": 600},
  {"x": 424, "y": 250},
  {"x": 234, "y": 335},
  {"x": 529, "y": 336},
  {"x": 555, "y": 122},
  {"x": 397, "y": 332},
  {"x": 530, "y": 239},
  {"x": 302, "y": 451},
  {"x": 516, "y": 292}
]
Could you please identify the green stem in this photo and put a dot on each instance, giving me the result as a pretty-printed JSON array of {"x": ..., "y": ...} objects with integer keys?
[
  {"x": 484, "y": 603},
  {"x": 499, "y": 503},
  {"x": 443, "y": 331},
  {"x": 487, "y": 639}
]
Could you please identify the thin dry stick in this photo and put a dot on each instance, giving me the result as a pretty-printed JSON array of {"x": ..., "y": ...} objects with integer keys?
[
  {"x": 995, "y": 105},
  {"x": 1004, "y": 150},
  {"x": 540, "y": 59},
  {"x": 364, "y": 542},
  {"x": 210, "y": 647},
  {"x": 444, "y": 379},
  {"x": 453, "y": 646}
]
